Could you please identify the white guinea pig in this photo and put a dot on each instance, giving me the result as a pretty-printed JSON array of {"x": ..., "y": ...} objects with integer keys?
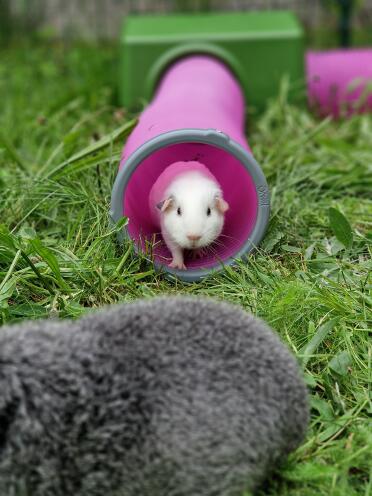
[{"x": 191, "y": 214}]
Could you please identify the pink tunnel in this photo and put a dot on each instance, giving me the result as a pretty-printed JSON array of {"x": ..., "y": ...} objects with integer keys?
[
  {"x": 340, "y": 81},
  {"x": 197, "y": 114}
]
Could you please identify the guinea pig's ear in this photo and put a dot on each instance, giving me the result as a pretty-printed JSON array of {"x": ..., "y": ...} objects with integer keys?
[
  {"x": 165, "y": 204},
  {"x": 221, "y": 204}
]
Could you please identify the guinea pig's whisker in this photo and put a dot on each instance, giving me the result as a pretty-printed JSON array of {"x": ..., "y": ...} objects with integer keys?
[
  {"x": 211, "y": 249},
  {"x": 213, "y": 252},
  {"x": 218, "y": 243},
  {"x": 228, "y": 237}
]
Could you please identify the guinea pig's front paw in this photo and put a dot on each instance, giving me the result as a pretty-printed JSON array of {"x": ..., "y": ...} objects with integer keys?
[{"x": 177, "y": 264}]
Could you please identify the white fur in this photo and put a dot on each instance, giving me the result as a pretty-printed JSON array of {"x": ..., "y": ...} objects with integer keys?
[{"x": 193, "y": 193}]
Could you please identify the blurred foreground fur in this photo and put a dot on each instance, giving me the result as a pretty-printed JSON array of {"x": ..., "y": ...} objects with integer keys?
[{"x": 164, "y": 397}]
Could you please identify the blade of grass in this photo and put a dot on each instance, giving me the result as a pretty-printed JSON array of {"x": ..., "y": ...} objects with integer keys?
[
  {"x": 42, "y": 279},
  {"x": 12, "y": 152},
  {"x": 121, "y": 131},
  {"x": 11, "y": 269},
  {"x": 308, "y": 350},
  {"x": 75, "y": 127},
  {"x": 51, "y": 261}
]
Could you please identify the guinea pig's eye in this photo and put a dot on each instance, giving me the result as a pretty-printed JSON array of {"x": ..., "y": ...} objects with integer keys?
[
  {"x": 208, "y": 211},
  {"x": 179, "y": 211}
]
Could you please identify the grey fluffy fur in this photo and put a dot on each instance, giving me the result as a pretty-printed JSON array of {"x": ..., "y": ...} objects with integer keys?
[{"x": 162, "y": 397}]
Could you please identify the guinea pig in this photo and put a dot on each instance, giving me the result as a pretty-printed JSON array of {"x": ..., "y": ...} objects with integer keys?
[
  {"x": 170, "y": 396},
  {"x": 190, "y": 209}
]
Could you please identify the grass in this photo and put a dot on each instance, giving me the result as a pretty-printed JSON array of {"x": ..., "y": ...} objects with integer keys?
[{"x": 310, "y": 279}]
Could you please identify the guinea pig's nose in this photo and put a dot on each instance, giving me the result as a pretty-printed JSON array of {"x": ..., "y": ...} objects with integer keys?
[{"x": 193, "y": 237}]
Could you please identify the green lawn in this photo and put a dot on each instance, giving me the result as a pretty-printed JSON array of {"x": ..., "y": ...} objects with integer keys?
[{"x": 311, "y": 279}]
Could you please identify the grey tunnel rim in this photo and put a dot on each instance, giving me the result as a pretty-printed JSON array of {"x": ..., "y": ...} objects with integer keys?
[{"x": 207, "y": 136}]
